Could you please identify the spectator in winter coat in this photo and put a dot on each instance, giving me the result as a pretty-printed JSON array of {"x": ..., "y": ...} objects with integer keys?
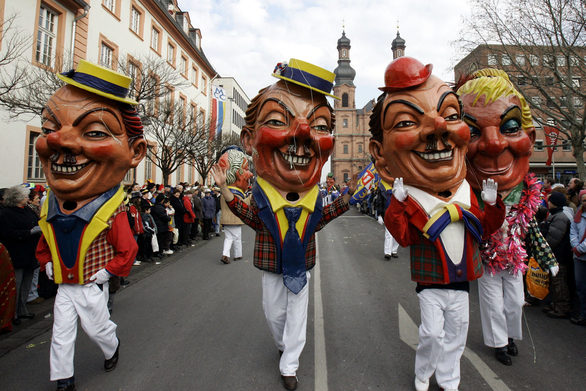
[
  {"x": 209, "y": 212},
  {"x": 198, "y": 210},
  {"x": 557, "y": 234},
  {"x": 177, "y": 204},
  {"x": 188, "y": 218},
  {"x": 162, "y": 220},
  {"x": 20, "y": 233},
  {"x": 578, "y": 243}
]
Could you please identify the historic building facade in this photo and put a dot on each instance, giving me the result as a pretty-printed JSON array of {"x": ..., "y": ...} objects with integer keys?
[{"x": 351, "y": 154}]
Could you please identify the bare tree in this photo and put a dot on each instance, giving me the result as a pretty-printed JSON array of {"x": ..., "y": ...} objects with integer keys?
[
  {"x": 175, "y": 133},
  {"x": 206, "y": 152},
  {"x": 13, "y": 69},
  {"x": 544, "y": 44}
]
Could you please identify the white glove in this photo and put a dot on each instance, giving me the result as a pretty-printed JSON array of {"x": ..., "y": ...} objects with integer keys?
[
  {"x": 102, "y": 276},
  {"x": 489, "y": 191},
  {"x": 380, "y": 220},
  {"x": 35, "y": 230},
  {"x": 554, "y": 270},
  {"x": 49, "y": 270},
  {"x": 399, "y": 192}
]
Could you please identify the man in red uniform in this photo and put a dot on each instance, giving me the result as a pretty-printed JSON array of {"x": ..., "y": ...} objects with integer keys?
[
  {"x": 419, "y": 140},
  {"x": 91, "y": 136}
]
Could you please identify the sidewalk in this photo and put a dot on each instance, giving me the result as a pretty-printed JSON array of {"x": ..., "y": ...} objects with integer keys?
[{"x": 43, "y": 320}]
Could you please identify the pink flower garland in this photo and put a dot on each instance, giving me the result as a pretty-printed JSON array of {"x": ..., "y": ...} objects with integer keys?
[{"x": 504, "y": 249}]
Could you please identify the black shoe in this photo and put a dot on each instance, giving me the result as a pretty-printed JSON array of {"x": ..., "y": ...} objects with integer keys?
[
  {"x": 110, "y": 364},
  {"x": 16, "y": 321},
  {"x": 289, "y": 382},
  {"x": 66, "y": 384},
  {"x": 395, "y": 255},
  {"x": 217, "y": 234},
  {"x": 27, "y": 316},
  {"x": 579, "y": 320},
  {"x": 512, "y": 348},
  {"x": 557, "y": 315},
  {"x": 502, "y": 356},
  {"x": 388, "y": 256}
]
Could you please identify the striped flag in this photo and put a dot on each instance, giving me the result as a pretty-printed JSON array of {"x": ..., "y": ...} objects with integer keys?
[
  {"x": 218, "y": 110},
  {"x": 368, "y": 179}
]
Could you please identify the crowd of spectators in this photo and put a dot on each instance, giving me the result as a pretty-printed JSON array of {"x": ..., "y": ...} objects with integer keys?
[{"x": 163, "y": 219}]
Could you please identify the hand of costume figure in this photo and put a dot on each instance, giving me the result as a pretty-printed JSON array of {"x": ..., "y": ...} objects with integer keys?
[
  {"x": 576, "y": 251},
  {"x": 352, "y": 183},
  {"x": 102, "y": 276},
  {"x": 399, "y": 192},
  {"x": 554, "y": 270},
  {"x": 49, "y": 270},
  {"x": 489, "y": 191},
  {"x": 380, "y": 220},
  {"x": 219, "y": 175},
  {"x": 35, "y": 230}
]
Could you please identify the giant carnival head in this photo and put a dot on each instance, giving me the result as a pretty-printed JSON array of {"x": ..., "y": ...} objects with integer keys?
[
  {"x": 289, "y": 127},
  {"x": 417, "y": 130},
  {"x": 502, "y": 133},
  {"x": 91, "y": 134},
  {"x": 237, "y": 168}
]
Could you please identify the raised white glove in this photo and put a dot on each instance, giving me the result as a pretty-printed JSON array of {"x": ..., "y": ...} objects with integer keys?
[
  {"x": 49, "y": 270},
  {"x": 554, "y": 270},
  {"x": 35, "y": 230},
  {"x": 489, "y": 191},
  {"x": 102, "y": 276},
  {"x": 380, "y": 220},
  {"x": 399, "y": 192}
]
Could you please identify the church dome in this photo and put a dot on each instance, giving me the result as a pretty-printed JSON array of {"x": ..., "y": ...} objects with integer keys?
[
  {"x": 343, "y": 41},
  {"x": 345, "y": 74},
  {"x": 398, "y": 42}
]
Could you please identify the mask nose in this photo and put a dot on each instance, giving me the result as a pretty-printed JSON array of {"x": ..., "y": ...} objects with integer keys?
[
  {"x": 492, "y": 141},
  {"x": 64, "y": 141},
  {"x": 301, "y": 137}
]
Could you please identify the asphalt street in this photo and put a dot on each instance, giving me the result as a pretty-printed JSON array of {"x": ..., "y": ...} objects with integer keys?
[{"x": 193, "y": 323}]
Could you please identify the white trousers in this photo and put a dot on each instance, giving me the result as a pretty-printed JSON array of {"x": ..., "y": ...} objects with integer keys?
[
  {"x": 501, "y": 299},
  {"x": 88, "y": 303},
  {"x": 442, "y": 335},
  {"x": 286, "y": 315},
  {"x": 391, "y": 245},
  {"x": 233, "y": 237}
]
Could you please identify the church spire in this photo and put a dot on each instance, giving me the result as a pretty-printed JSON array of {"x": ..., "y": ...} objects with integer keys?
[
  {"x": 344, "y": 72},
  {"x": 398, "y": 45}
]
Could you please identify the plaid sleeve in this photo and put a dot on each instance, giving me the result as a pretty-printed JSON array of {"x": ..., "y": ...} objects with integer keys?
[
  {"x": 247, "y": 213},
  {"x": 331, "y": 211},
  {"x": 537, "y": 246}
]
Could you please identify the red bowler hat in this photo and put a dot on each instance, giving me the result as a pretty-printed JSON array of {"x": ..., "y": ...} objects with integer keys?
[{"x": 405, "y": 72}]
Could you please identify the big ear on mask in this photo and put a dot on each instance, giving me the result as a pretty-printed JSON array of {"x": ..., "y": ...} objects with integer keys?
[{"x": 380, "y": 163}]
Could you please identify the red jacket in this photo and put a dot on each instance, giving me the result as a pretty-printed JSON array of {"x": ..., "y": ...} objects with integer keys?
[
  {"x": 189, "y": 216},
  {"x": 429, "y": 261}
]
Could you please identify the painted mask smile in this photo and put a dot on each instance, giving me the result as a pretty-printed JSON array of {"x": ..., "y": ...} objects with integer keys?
[
  {"x": 436, "y": 156},
  {"x": 67, "y": 169}
]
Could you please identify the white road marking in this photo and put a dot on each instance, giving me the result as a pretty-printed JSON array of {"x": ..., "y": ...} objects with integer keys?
[
  {"x": 321, "y": 367},
  {"x": 408, "y": 331}
]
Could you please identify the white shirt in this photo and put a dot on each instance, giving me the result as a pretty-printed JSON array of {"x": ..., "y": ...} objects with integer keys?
[{"x": 453, "y": 236}]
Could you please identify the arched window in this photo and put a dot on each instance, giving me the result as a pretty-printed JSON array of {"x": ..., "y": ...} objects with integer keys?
[{"x": 344, "y": 100}]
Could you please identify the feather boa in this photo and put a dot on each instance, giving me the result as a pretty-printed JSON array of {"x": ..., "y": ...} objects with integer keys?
[{"x": 504, "y": 249}]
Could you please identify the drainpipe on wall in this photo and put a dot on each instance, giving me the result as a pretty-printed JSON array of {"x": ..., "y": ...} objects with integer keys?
[{"x": 86, "y": 10}]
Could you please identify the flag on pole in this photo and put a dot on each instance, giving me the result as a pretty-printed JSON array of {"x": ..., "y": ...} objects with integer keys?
[
  {"x": 368, "y": 179},
  {"x": 218, "y": 110},
  {"x": 551, "y": 138}
]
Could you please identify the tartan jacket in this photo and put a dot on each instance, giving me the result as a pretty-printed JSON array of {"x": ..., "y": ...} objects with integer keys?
[
  {"x": 429, "y": 261},
  {"x": 107, "y": 242},
  {"x": 267, "y": 245}
]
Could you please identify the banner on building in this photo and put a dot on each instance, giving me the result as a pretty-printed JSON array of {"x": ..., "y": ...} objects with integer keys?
[
  {"x": 218, "y": 110},
  {"x": 551, "y": 138}
]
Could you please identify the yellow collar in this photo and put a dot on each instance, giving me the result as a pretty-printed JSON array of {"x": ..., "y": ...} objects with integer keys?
[{"x": 278, "y": 202}]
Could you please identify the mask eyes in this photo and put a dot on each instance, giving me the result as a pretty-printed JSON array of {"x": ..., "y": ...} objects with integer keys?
[
  {"x": 474, "y": 131},
  {"x": 510, "y": 127}
]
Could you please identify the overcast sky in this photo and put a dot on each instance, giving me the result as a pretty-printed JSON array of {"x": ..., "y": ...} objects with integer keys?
[{"x": 246, "y": 38}]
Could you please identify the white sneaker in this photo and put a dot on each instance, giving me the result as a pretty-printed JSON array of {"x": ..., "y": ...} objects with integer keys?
[
  {"x": 167, "y": 252},
  {"x": 421, "y": 385},
  {"x": 136, "y": 263}
]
